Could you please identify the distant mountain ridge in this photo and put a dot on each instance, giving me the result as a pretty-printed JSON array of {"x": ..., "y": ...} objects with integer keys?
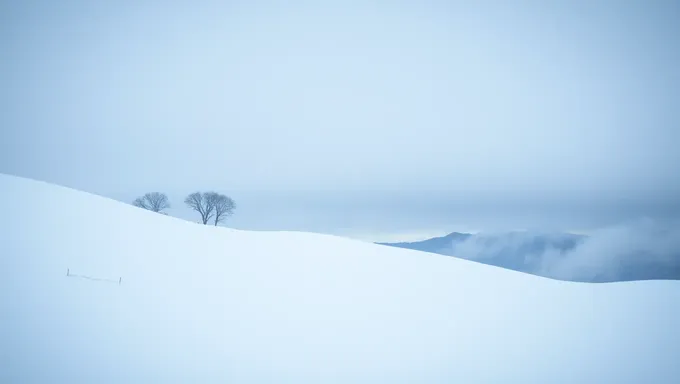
[
  {"x": 548, "y": 255},
  {"x": 434, "y": 244},
  {"x": 502, "y": 243}
]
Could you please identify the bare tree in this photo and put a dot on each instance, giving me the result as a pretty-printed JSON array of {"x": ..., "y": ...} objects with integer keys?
[
  {"x": 153, "y": 201},
  {"x": 201, "y": 203},
  {"x": 223, "y": 205}
]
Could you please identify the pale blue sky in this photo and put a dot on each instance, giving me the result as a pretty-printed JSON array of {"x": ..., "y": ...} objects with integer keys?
[{"x": 372, "y": 117}]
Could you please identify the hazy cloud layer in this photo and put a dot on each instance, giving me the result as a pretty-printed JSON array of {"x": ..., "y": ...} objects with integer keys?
[
  {"x": 638, "y": 250},
  {"x": 429, "y": 114}
]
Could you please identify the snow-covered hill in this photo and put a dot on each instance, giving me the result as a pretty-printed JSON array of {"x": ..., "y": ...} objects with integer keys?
[{"x": 200, "y": 304}]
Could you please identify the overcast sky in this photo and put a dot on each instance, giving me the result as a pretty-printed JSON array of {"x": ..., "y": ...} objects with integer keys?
[{"x": 349, "y": 116}]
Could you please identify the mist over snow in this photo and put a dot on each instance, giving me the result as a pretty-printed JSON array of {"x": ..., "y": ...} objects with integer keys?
[{"x": 636, "y": 250}]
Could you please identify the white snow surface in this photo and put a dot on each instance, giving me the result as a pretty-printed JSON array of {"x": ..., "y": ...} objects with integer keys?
[{"x": 205, "y": 304}]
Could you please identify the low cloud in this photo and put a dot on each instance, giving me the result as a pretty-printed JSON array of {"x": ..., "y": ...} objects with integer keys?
[{"x": 639, "y": 250}]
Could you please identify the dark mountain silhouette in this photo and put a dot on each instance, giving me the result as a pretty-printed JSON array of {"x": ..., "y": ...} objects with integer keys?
[
  {"x": 435, "y": 244},
  {"x": 564, "y": 256},
  {"x": 505, "y": 247},
  {"x": 519, "y": 251}
]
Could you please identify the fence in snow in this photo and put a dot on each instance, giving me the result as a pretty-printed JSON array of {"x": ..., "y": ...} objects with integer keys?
[{"x": 69, "y": 274}]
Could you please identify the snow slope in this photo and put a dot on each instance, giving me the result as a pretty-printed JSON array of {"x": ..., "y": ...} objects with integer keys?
[{"x": 199, "y": 304}]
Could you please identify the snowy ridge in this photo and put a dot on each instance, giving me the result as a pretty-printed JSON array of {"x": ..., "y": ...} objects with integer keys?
[{"x": 208, "y": 304}]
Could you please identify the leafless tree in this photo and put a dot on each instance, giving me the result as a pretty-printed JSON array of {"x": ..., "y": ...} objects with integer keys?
[
  {"x": 153, "y": 201},
  {"x": 223, "y": 205},
  {"x": 211, "y": 205},
  {"x": 201, "y": 203}
]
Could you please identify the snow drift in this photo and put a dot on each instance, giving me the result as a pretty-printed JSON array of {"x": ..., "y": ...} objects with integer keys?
[{"x": 206, "y": 304}]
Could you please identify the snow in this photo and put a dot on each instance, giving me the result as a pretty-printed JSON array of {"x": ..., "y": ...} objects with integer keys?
[{"x": 209, "y": 304}]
